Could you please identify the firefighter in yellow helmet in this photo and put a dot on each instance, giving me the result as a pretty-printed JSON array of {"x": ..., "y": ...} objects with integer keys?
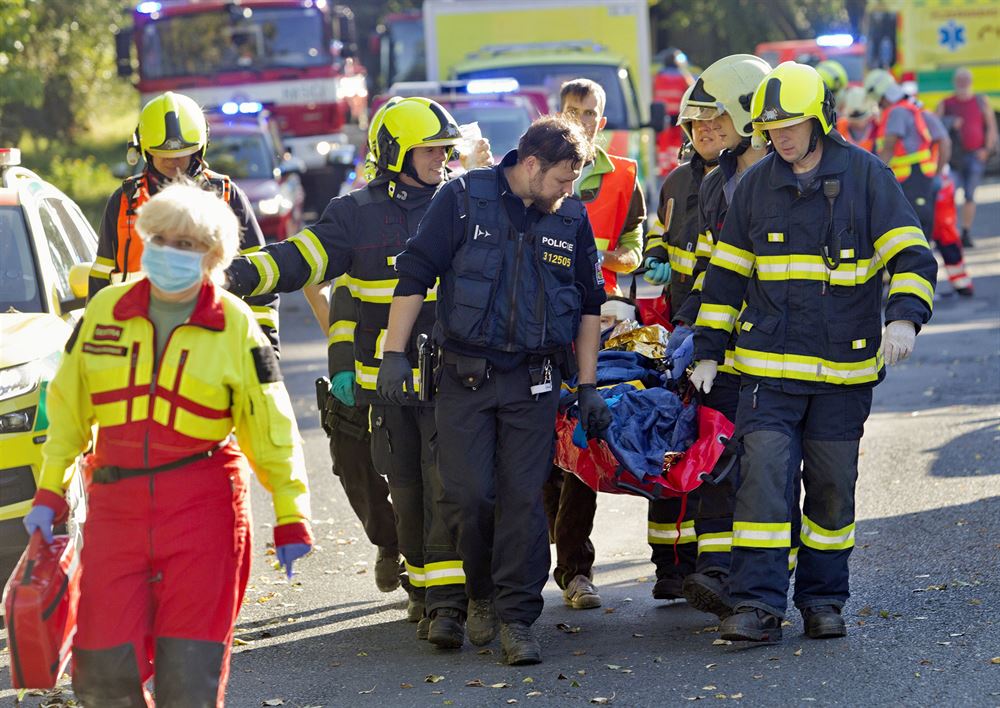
[
  {"x": 358, "y": 236},
  {"x": 797, "y": 273},
  {"x": 834, "y": 77},
  {"x": 172, "y": 138}
]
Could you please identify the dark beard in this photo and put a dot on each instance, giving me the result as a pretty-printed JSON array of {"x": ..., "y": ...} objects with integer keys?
[{"x": 543, "y": 204}]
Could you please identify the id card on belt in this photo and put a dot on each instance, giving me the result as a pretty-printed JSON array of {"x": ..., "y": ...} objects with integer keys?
[{"x": 541, "y": 378}]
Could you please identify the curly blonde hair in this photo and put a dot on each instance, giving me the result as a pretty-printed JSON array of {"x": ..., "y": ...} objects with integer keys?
[{"x": 183, "y": 208}]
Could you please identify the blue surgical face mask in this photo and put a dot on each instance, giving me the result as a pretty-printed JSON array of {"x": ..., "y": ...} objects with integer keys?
[{"x": 170, "y": 269}]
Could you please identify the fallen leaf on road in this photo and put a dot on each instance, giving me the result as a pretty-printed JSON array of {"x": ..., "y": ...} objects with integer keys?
[
  {"x": 710, "y": 666},
  {"x": 574, "y": 684},
  {"x": 710, "y": 687},
  {"x": 579, "y": 652},
  {"x": 797, "y": 652},
  {"x": 693, "y": 698},
  {"x": 865, "y": 611},
  {"x": 637, "y": 635},
  {"x": 721, "y": 642},
  {"x": 758, "y": 676},
  {"x": 608, "y": 611},
  {"x": 511, "y": 700},
  {"x": 406, "y": 685},
  {"x": 562, "y": 677},
  {"x": 335, "y": 664},
  {"x": 603, "y": 701},
  {"x": 370, "y": 690},
  {"x": 437, "y": 693},
  {"x": 475, "y": 683},
  {"x": 563, "y": 627},
  {"x": 613, "y": 667},
  {"x": 432, "y": 678},
  {"x": 737, "y": 696},
  {"x": 957, "y": 634},
  {"x": 237, "y": 642},
  {"x": 533, "y": 694},
  {"x": 362, "y": 653},
  {"x": 720, "y": 695},
  {"x": 485, "y": 651},
  {"x": 500, "y": 685},
  {"x": 884, "y": 614},
  {"x": 786, "y": 623},
  {"x": 582, "y": 672},
  {"x": 273, "y": 702},
  {"x": 995, "y": 660},
  {"x": 527, "y": 679}
]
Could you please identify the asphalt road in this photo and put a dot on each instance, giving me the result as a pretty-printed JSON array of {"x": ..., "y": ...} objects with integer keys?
[{"x": 923, "y": 619}]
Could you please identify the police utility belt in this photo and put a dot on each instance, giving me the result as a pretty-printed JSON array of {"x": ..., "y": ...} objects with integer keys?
[
  {"x": 111, "y": 474},
  {"x": 473, "y": 371}
]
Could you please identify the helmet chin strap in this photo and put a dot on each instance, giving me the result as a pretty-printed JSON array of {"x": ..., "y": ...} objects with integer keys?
[
  {"x": 195, "y": 167},
  {"x": 411, "y": 172},
  {"x": 814, "y": 136},
  {"x": 743, "y": 146}
]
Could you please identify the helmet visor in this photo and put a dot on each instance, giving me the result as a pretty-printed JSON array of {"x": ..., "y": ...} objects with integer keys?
[{"x": 695, "y": 112}]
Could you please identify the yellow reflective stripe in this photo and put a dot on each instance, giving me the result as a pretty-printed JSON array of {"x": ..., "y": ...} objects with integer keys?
[
  {"x": 380, "y": 292},
  {"x": 793, "y": 558},
  {"x": 418, "y": 578},
  {"x": 668, "y": 533},
  {"x": 911, "y": 158},
  {"x": 859, "y": 344},
  {"x": 716, "y": 317},
  {"x": 314, "y": 254},
  {"x": 703, "y": 249},
  {"x": 729, "y": 365},
  {"x": 367, "y": 376},
  {"x": 895, "y": 240},
  {"x": 341, "y": 331},
  {"x": 793, "y": 266},
  {"x": 654, "y": 242},
  {"x": 775, "y": 237},
  {"x": 681, "y": 260},
  {"x": 699, "y": 281},
  {"x": 102, "y": 268},
  {"x": 735, "y": 259},
  {"x": 267, "y": 271},
  {"x": 265, "y": 316},
  {"x": 912, "y": 284},
  {"x": 815, "y": 536},
  {"x": 749, "y": 534},
  {"x": 715, "y": 542},
  {"x": 807, "y": 368},
  {"x": 444, "y": 573},
  {"x": 390, "y": 261}
]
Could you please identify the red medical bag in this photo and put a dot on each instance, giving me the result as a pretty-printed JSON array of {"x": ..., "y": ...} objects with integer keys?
[{"x": 40, "y": 603}]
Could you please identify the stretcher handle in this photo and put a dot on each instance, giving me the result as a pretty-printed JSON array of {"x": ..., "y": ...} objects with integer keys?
[{"x": 730, "y": 455}]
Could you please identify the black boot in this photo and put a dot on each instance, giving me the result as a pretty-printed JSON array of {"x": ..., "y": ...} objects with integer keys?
[
  {"x": 670, "y": 588},
  {"x": 447, "y": 630},
  {"x": 188, "y": 672},
  {"x": 482, "y": 623},
  {"x": 749, "y": 624},
  {"x": 108, "y": 677},
  {"x": 387, "y": 569},
  {"x": 707, "y": 592},
  {"x": 823, "y": 622},
  {"x": 518, "y": 644}
]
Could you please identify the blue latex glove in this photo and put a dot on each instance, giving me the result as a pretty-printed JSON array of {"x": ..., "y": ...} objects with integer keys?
[
  {"x": 342, "y": 387},
  {"x": 289, "y": 553},
  {"x": 40, "y": 518},
  {"x": 681, "y": 358},
  {"x": 657, "y": 271},
  {"x": 580, "y": 437},
  {"x": 680, "y": 334}
]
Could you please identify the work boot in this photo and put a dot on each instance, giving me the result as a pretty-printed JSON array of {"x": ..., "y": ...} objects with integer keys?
[
  {"x": 447, "y": 628},
  {"x": 707, "y": 592},
  {"x": 965, "y": 292},
  {"x": 750, "y": 624},
  {"x": 423, "y": 628},
  {"x": 387, "y": 569},
  {"x": 518, "y": 644},
  {"x": 415, "y": 610},
  {"x": 823, "y": 622},
  {"x": 580, "y": 594},
  {"x": 482, "y": 622},
  {"x": 669, "y": 588}
]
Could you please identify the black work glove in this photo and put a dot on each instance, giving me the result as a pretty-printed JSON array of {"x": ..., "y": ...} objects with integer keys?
[
  {"x": 594, "y": 413},
  {"x": 394, "y": 373}
]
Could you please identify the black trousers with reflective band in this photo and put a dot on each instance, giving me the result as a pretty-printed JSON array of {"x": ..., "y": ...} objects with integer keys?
[{"x": 495, "y": 451}]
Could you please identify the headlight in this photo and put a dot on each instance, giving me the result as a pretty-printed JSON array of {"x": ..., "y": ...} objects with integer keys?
[
  {"x": 24, "y": 378},
  {"x": 273, "y": 205}
]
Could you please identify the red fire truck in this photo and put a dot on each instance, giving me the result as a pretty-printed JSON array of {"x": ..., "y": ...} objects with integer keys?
[{"x": 295, "y": 58}]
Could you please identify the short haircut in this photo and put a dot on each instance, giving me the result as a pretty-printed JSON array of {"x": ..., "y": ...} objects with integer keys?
[
  {"x": 554, "y": 139},
  {"x": 184, "y": 209},
  {"x": 581, "y": 88}
]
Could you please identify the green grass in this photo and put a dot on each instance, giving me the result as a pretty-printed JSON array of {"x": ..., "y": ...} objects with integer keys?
[{"x": 83, "y": 169}]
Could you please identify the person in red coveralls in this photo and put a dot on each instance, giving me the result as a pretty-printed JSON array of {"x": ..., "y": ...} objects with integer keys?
[{"x": 173, "y": 371}]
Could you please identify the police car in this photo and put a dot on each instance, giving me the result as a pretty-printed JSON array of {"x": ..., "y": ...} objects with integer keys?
[{"x": 46, "y": 248}]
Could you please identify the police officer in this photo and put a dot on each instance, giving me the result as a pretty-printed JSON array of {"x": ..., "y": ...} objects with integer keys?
[
  {"x": 360, "y": 234},
  {"x": 172, "y": 137},
  {"x": 720, "y": 102},
  {"x": 616, "y": 208},
  {"x": 808, "y": 231},
  {"x": 520, "y": 282}
]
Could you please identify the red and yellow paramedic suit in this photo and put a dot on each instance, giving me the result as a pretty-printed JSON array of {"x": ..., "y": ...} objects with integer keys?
[{"x": 166, "y": 556}]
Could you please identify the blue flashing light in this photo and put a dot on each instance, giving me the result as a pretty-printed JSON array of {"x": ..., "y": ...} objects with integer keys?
[
  {"x": 230, "y": 108},
  {"x": 492, "y": 86},
  {"x": 251, "y": 107},
  {"x": 835, "y": 40},
  {"x": 149, "y": 7},
  {"x": 681, "y": 58}
]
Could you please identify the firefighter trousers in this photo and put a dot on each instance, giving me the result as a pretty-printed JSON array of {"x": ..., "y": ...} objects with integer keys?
[
  {"x": 165, "y": 564},
  {"x": 496, "y": 448},
  {"x": 405, "y": 450},
  {"x": 366, "y": 490},
  {"x": 782, "y": 432}
]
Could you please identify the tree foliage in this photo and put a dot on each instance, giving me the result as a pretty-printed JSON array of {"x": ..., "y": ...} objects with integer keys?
[{"x": 56, "y": 57}]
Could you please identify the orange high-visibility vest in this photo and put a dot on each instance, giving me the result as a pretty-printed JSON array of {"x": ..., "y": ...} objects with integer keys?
[
  {"x": 902, "y": 162},
  {"x": 866, "y": 143},
  {"x": 608, "y": 210}
]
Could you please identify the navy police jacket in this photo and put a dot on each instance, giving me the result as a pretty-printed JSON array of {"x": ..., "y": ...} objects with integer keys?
[{"x": 806, "y": 325}]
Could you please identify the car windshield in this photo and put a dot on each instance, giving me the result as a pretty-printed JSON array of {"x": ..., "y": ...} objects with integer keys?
[
  {"x": 408, "y": 60},
  {"x": 552, "y": 76},
  {"x": 18, "y": 273},
  {"x": 232, "y": 39},
  {"x": 241, "y": 156},
  {"x": 501, "y": 124}
]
